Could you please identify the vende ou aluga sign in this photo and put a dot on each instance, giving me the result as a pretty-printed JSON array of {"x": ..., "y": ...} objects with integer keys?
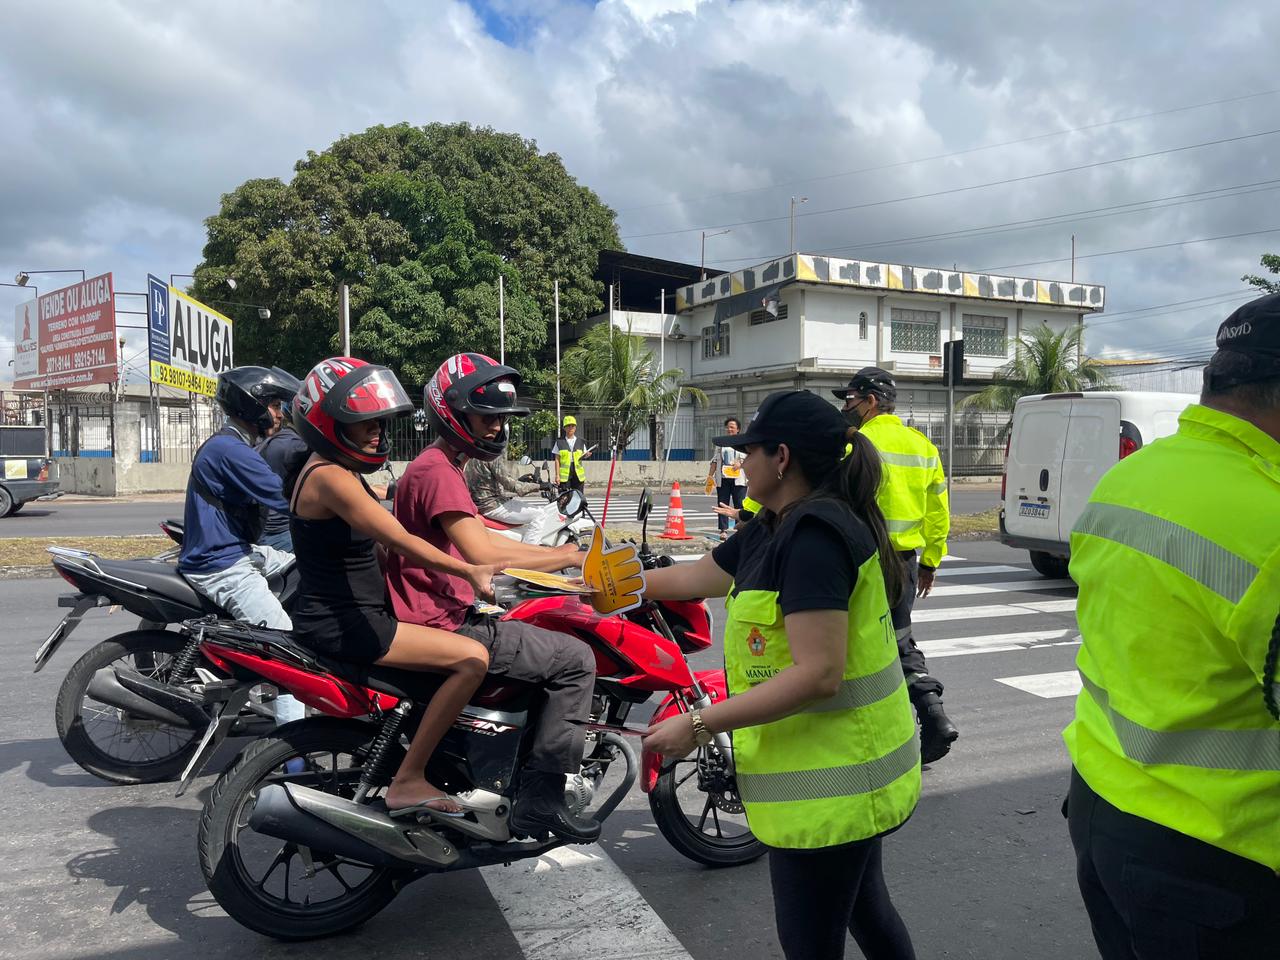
[
  {"x": 67, "y": 338},
  {"x": 189, "y": 343}
]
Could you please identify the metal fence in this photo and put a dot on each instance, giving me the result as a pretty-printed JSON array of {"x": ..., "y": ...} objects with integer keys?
[{"x": 159, "y": 429}]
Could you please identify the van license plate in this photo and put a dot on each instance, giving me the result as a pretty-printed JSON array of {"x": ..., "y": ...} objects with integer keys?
[{"x": 1038, "y": 510}]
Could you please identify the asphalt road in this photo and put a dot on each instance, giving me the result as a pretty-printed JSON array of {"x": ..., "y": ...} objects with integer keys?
[
  {"x": 68, "y": 518},
  {"x": 983, "y": 870}
]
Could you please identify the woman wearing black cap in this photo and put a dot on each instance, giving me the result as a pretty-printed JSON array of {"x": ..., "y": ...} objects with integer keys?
[{"x": 824, "y": 742}]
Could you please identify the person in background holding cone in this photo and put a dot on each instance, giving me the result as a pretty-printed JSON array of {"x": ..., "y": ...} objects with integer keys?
[
  {"x": 913, "y": 499},
  {"x": 570, "y": 451}
]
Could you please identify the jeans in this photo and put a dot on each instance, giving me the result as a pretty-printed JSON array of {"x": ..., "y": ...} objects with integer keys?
[
  {"x": 242, "y": 590},
  {"x": 537, "y": 521}
]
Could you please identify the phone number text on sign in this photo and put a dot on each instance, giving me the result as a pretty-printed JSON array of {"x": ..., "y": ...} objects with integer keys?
[{"x": 188, "y": 380}]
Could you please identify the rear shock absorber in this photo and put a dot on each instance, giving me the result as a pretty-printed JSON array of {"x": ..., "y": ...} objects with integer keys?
[
  {"x": 380, "y": 767},
  {"x": 184, "y": 663}
]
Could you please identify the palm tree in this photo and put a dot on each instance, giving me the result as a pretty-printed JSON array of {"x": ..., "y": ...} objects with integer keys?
[
  {"x": 1043, "y": 362},
  {"x": 614, "y": 371}
]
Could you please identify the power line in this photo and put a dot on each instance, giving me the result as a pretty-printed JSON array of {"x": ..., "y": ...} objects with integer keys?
[
  {"x": 955, "y": 153},
  {"x": 1216, "y": 298},
  {"x": 955, "y": 190},
  {"x": 1112, "y": 253},
  {"x": 1076, "y": 216}
]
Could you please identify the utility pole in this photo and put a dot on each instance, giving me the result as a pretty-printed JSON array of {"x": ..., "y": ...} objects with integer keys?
[
  {"x": 557, "y": 354},
  {"x": 344, "y": 318},
  {"x": 502, "y": 323},
  {"x": 794, "y": 201}
]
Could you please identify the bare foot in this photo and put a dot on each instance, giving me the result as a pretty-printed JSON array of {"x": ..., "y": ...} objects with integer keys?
[{"x": 412, "y": 793}]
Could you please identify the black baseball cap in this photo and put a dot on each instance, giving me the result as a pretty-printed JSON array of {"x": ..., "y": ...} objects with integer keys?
[
  {"x": 795, "y": 417},
  {"x": 1251, "y": 332},
  {"x": 870, "y": 380}
]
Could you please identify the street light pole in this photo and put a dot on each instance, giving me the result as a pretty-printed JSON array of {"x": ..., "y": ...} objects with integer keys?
[
  {"x": 794, "y": 201},
  {"x": 702, "y": 260},
  {"x": 23, "y": 276}
]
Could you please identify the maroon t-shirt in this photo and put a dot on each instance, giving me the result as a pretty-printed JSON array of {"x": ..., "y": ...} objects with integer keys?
[{"x": 430, "y": 487}]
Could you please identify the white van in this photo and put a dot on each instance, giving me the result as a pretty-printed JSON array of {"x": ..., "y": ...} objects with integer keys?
[{"x": 1060, "y": 445}]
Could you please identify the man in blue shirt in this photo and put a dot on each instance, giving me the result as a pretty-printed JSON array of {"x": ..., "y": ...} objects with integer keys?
[
  {"x": 230, "y": 488},
  {"x": 285, "y": 452}
]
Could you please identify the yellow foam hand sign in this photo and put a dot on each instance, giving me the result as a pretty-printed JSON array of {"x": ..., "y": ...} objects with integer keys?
[{"x": 615, "y": 574}]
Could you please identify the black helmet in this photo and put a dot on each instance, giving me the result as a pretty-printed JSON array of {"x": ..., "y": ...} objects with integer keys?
[
  {"x": 245, "y": 392},
  {"x": 472, "y": 383}
]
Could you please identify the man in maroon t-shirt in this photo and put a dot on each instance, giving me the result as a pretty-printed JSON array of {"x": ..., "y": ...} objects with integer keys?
[{"x": 468, "y": 402}]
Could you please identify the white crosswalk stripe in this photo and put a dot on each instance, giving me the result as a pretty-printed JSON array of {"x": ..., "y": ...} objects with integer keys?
[{"x": 1065, "y": 683}]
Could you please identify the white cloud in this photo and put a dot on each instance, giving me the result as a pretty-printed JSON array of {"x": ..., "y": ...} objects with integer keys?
[{"x": 128, "y": 121}]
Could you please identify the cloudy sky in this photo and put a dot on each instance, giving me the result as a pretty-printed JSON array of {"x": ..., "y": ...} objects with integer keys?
[{"x": 126, "y": 121}]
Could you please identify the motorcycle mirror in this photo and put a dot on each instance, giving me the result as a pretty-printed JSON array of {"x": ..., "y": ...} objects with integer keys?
[
  {"x": 525, "y": 460},
  {"x": 573, "y": 504},
  {"x": 645, "y": 506}
]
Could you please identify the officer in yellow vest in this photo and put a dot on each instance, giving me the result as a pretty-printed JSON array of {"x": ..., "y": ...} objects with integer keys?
[
  {"x": 570, "y": 452},
  {"x": 913, "y": 498},
  {"x": 824, "y": 744},
  {"x": 1174, "y": 806}
]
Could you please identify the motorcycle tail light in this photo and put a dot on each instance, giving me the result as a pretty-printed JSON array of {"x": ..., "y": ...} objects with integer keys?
[{"x": 66, "y": 576}]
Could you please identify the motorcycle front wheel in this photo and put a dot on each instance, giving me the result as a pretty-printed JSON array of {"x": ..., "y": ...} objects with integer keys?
[
  {"x": 276, "y": 887},
  {"x": 696, "y": 807},
  {"x": 108, "y": 741}
]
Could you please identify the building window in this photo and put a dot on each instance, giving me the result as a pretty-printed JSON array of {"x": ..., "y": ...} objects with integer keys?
[
  {"x": 985, "y": 336},
  {"x": 915, "y": 331},
  {"x": 764, "y": 316},
  {"x": 713, "y": 346},
  {"x": 862, "y": 325}
]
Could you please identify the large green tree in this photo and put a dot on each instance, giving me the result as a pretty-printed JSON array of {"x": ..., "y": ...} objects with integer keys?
[
  {"x": 419, "y": 222},
  {"x": 615, "y": 373},
  {"x": 1271, "y": 262},
  {"x": 1043, "y": 362}
]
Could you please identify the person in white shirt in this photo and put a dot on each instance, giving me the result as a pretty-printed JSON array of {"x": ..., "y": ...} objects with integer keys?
[{"x": 725, "y": 471}]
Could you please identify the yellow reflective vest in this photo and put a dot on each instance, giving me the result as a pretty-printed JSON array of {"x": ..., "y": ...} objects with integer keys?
[
  {"x": 913, "y": 492},
  {"x": 1178, "y": 560},
  {"x": 565, "y": 457},
  {"x": 843, "y": 769}
]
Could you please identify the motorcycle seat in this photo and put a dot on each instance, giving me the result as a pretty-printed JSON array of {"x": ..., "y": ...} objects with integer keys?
[
  {"x": 421, "y": 686},
  {"x": 159, "y": 577}
]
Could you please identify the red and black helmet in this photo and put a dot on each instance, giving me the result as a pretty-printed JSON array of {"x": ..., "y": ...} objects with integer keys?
[
  {"x": 472, "y": 383},
  {"x": 343, "y": 390}
]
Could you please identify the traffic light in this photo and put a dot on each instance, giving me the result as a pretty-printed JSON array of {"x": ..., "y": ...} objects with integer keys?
[{"x": 953, "y": 363}]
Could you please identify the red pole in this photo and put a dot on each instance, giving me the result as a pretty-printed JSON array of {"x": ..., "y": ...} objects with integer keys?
[{"x": 604, "y": 514}]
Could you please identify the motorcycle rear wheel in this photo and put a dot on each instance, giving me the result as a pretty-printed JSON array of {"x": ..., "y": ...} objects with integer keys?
[
  {"x": 228, "y": 847},
  {"x": 102, "y": 739},
  {"x": 702, "y": 837}
]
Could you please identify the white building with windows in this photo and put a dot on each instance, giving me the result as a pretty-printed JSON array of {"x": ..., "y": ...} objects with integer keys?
[{"x": 806, "y": 321}]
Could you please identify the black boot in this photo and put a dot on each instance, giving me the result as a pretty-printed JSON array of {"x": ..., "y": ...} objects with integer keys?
[
  {"x": 937, "y": 732},
  {"x": 540, "y": 809}
]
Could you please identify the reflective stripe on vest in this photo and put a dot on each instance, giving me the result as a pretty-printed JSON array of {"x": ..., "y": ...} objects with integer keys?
[
  {"x": 1208, "y": 564},
  {"x": 1212, "y": 749},
  {"x": 908, "y": 460},
  {"x": 903, "y": 526},
  {"x": 826, "y": 784},
  {"x": 862, "y": 691}
]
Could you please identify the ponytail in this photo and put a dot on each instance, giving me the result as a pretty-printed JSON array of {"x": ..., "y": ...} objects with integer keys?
[{"x": 857, "y": 481}]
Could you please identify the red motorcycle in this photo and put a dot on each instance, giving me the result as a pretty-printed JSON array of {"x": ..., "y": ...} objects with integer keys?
[{"x": 295, "y": 841}]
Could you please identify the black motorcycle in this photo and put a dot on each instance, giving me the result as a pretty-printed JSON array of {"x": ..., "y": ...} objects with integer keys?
[{"x": 131, "y": 709}]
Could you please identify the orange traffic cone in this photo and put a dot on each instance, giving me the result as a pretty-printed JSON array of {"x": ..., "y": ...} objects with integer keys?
[{"x": 675, "y": 516}]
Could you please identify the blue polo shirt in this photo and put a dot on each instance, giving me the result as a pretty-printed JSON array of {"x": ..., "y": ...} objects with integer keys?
[{"x": 233, "y": 472}]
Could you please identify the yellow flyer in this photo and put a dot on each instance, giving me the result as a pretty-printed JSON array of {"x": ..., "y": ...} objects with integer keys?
[{"x": 548, "y": 581}]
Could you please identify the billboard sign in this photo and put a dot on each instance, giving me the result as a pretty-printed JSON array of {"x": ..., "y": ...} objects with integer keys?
[
  {"x": 67, "y": 338},
  {"x": 189, "y": 343}
]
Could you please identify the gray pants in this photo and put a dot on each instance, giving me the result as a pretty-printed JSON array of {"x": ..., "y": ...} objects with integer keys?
[{"x": 563, "y": 666}]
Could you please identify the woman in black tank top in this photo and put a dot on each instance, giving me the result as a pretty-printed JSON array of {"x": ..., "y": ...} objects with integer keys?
[{"x": 338, "y": 525}]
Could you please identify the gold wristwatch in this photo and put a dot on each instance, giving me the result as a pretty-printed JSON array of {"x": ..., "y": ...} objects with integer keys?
[{"x": 701, "y": 735}]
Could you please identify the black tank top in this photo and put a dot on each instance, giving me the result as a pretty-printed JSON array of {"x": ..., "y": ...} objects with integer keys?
[{"x": 338, "y": 568}]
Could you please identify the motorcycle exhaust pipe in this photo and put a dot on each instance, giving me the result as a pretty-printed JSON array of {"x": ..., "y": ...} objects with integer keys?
[
  {"x": 321, "y": 821},
  {"x": 174, "y": 699},
  {"x": 105, "y": 687}
]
